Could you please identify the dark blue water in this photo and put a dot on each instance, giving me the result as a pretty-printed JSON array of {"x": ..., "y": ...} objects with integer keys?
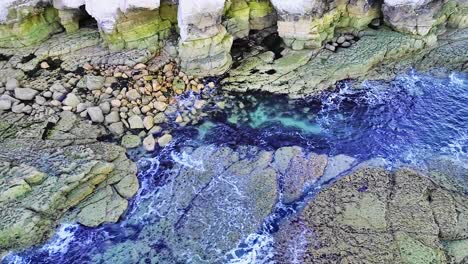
[{"x": 405, "y": 121}]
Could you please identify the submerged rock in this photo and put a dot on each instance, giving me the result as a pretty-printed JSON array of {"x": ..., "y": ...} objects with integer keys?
[
  {"x": 213, "y": 198},
  {"x": 297, "y": 171}
]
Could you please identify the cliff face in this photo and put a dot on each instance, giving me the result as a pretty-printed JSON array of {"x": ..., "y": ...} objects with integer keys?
[{"x": 207, "y": 28}]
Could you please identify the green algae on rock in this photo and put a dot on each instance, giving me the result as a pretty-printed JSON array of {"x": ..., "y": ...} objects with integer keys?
[
  {"x": 29, "y": 26},
  {"x": 138, "y": 29},
  {"x": 377, "y": 216},
  {"x": 262, "y": 14},
  {"x": 310, "y": 30},
  {"x": 306, "y": 72},
  {"x": 237, "y": 18},
  {"x": 72, "y": 170},
  {"x": 242, "y": 16}
]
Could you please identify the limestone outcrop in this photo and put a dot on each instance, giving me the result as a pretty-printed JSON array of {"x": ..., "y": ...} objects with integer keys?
[
  {"x": 378, "y": 54},
  {"x": 415, "y": 17},
  {"x": 307, "y": 24},
  {"x": 49, "y": 167},
  {"x": 205, "y": 44},
  {"x": 26, "y": 24},
  {"x": 242, "y": 16},
  {"x": 377, "y": 216},
  {"x": 205, "y": 29}
]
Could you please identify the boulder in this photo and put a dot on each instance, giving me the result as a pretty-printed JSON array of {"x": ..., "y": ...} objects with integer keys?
[
  {"x": 148, "y": 122},
  {"x": 133, "y": 95},
  {"x": 112, "y": 117},
  {"x": 149, "y": 143},
  {"x": 11, "y": 84},
  {"x": 136, "y": 122},
  {"x": 71, "y": 100},
  {"x": 95, "y": 113},
  {"x": 25, "y": 94},
  {"x": 131, "y": 141},
  {"x": 94, "y": 82},
  {"x": 164, "y": 140},
  {"x": 5, "y": 105}
]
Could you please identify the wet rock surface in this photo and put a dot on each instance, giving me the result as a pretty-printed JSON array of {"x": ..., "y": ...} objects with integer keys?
[
  {"x": 48, "y": 167},
  {"x": 374, "y": 56},
  {"x": 377, "y": 216}
]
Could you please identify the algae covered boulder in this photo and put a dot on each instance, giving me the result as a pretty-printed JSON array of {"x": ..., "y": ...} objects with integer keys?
[{"x": 242, "y": 16}]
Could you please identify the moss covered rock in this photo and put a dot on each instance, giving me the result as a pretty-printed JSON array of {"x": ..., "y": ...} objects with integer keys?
[
  {"x": 28, "y": 27},
  {"x": 262, "y": 14},
  {"x": 138, "y": 29},
  {"x": 72, "y": 171},
  {"x": 319, "y": 21},
  {"x": 69, "y": 19},
  {"x": 237, "y": 17},
  {"x": 376, "y": 216},
  {"x": 207, "y": 56}
]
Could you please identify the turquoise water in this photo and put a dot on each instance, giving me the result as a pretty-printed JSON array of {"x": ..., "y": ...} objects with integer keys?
[{"x": 264, "y": 116}]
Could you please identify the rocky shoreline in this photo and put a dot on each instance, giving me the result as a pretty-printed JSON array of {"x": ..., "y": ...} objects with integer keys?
[
  {"x": 51, "y": 168},
  {"x": 139, "y": 72}
]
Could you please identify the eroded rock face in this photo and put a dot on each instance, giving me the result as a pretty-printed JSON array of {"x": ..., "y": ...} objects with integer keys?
[
  {"x": 376, "y": 216},
  {"x": 415, "y": 17},
  {"x": 307, "y": 24},
  {"x": 24, "y": 24},
  {"x": 242, "y": 16},
  {"x": 305, "y": 72},
  {"x": 46, "y": 171},
  {"x": 205, "y": 44}
]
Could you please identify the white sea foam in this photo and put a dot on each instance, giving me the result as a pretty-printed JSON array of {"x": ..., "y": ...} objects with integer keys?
[
  {"x": 257, "y": 248},
  {"x": 187, "y": 160},
  {"x": 456, "y": 79},
  {"x": 61, "y": 240}
]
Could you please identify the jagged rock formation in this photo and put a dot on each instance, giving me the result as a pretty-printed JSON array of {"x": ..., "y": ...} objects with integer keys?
[
  {"x": 376, "y": 216},
  {"x": 307, "y": 24},
  {"x": 27, "y": 25},
  {"x": 207, "y": 28},
  {"x": 46, "y": 169},
  {"x": 204, "y": 47},
  {"x": 378, "y": 54},
  {"x": 242, "y": 16},
  {"x": 214, "y": 197}
]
